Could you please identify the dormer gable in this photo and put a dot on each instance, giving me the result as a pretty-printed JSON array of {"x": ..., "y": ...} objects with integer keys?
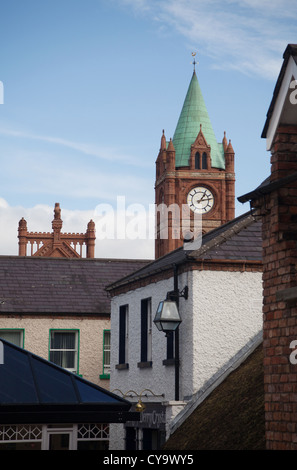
[{"x": 200, "y": 158}]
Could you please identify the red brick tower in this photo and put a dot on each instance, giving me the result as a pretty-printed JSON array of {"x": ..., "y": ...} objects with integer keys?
[
  {"x": 56, "y": 244},
  {"x": 194, "y": 174}
]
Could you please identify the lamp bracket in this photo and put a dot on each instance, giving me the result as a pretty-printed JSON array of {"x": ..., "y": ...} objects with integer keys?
[{"x": 173, "y": 295}]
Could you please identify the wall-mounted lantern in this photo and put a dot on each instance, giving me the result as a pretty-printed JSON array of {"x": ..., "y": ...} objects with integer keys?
[{"x": 167, "y": 317}]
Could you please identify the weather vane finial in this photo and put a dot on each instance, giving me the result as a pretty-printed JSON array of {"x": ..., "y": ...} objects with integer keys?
[{"x": 194, "y": 62}]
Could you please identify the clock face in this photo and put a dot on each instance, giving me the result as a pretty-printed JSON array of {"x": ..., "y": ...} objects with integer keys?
[{"x": 200, "y": 199}]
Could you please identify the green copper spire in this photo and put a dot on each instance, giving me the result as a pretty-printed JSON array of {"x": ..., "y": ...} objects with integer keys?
[{"x": 193, "y": 114}]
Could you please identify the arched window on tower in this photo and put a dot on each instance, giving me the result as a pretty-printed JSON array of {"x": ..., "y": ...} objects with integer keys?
[
  {"x": 204, "y": 161},
  {"x": 197, "y": 161}
]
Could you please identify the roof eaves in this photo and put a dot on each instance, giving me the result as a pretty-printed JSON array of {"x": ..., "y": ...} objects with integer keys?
[
  {"x": 150, "y": 270},
  {"x": 267, "y": 188},
  {"x": 291, "y": 51}
]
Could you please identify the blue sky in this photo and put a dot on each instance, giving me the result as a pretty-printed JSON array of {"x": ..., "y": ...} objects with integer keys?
[{"x": 89, "y": 86}]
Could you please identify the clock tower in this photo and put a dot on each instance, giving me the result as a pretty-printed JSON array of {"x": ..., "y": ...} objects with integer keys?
[{"x": 194, "y": 175}]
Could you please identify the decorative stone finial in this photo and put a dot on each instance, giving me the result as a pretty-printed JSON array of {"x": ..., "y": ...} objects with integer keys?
[
  {"x": 57, "y": 211},
  {"x": 163, "y": 141},
  {"x": 23, "y": 224}
]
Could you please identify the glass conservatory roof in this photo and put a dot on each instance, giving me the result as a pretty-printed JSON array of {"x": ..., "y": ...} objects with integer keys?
[{"x": 29, "y": 382}]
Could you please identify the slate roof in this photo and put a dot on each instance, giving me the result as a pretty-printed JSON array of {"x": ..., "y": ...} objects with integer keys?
[
  {"x": 232, "y": 417},
  {"x": 239, "y": 239},
  {"x": 59, "y": 285}
]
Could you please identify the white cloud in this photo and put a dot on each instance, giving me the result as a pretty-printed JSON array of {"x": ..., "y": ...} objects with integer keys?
[
  {"x": 3, "y": 203},
  {"x": 244, "y": 35},
  {"x": 39, "y": 219}
]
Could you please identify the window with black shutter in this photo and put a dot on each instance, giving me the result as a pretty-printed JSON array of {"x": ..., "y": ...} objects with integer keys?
[
  {"x": 123, "y": 337},
  {"x": 145, "y": 333}
]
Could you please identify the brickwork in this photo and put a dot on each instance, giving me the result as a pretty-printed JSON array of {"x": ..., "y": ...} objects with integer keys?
[
  {"x": 173, "y": 185},
  {"x": 56, "y": 244},
  {"x": 279, "y": 215}
]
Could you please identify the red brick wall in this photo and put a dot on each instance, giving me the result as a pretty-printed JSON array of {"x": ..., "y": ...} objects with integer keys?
[
  {"x": 279, "y": 211},
  {"x": 173, "y": 184}
]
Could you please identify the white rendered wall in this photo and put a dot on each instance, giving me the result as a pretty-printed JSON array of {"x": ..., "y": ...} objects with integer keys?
[
  {"x": 158, "y": 378},
  {"x": 222, "y": 314},
  {"x": 227, "y": 314}
]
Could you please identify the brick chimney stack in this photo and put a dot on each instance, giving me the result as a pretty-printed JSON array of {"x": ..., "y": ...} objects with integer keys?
[{"x": 276, "y": 202}]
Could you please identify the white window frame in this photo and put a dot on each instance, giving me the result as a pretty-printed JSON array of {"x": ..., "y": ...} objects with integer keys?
[
  {"x": 106, "y": 349},
  {"x": 14, "y": 330},
  {"x": 75, "y": 350},
  {"x": 48, "y": 432}
]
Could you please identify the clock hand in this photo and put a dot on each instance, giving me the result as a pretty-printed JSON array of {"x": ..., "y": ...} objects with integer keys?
[
  {"x": 208, "y": 198},
  {"x": 202, "y": 197}
]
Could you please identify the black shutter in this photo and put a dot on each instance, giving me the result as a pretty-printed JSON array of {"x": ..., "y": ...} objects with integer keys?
[
  {"x": 144, "y": 331},
  {"x": 122, "y": 335}
]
